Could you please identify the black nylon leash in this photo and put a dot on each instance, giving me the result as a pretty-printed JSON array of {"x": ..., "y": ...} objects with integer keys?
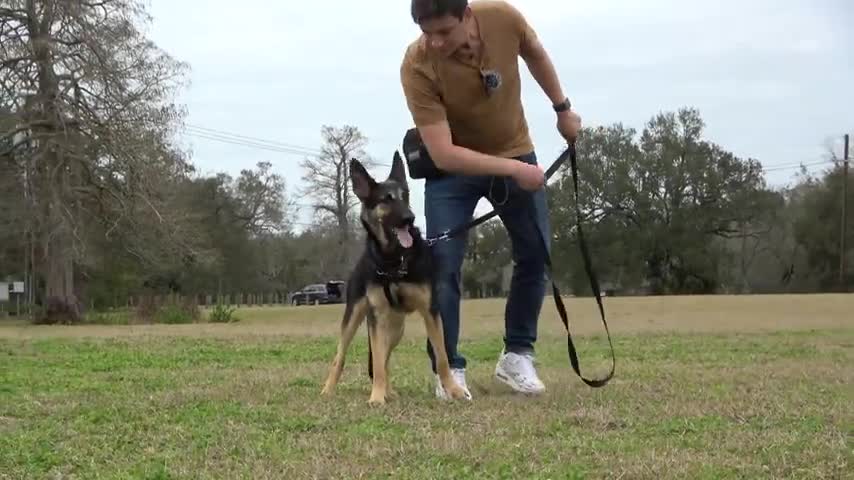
[
  {"x": 585, "y": 253},
  {"x": 591, "y": 275}
]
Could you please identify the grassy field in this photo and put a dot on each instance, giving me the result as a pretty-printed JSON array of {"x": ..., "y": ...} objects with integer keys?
[{"x": 706, "y": 387}]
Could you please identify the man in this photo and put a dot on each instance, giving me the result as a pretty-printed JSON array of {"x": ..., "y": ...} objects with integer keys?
[{"x": 462, "y": 87}]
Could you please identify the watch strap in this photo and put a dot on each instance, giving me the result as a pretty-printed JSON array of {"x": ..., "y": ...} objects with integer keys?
[{"x": 562, "y": 106}]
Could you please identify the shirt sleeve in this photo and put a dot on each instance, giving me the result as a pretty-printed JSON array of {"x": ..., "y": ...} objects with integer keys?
[
  {"x": 422, "y": 94},
  {"x": 520, "y": 24}
]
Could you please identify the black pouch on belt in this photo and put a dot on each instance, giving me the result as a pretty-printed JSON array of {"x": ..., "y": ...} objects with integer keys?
[{"x": 418, "y": 160}]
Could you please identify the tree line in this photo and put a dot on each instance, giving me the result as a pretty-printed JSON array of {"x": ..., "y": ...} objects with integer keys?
[{"x": 99, "y": 203}]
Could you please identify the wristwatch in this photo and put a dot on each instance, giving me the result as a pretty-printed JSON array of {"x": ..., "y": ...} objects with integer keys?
[{"x": 562, "y": 106}]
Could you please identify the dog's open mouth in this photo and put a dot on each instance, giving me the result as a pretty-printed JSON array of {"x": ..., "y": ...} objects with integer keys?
[{"x": 404, "y": 237}]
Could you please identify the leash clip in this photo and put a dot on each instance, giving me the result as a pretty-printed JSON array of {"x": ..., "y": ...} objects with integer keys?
[
  {"x": 441, "y": 237},
  {"x": 402, "y": 271}
]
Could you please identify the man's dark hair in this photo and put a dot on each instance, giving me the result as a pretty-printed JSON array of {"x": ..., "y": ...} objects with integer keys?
[{"x": 426, "y": 9}]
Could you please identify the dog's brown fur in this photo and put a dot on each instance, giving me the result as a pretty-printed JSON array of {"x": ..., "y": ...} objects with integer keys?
[{"x": 407, "y": 272}]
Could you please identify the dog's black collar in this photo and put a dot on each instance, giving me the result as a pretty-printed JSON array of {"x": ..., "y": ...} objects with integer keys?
[{"x": 390, "y": 269}]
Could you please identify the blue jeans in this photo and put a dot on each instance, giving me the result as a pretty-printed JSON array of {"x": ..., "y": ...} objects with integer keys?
[{"x": 450, "y": 202}]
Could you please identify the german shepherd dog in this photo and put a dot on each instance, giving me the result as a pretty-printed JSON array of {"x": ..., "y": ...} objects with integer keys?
[{"x": 392, "y": 279}]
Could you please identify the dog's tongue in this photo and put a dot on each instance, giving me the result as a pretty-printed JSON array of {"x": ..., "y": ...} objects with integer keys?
[{"x": 404, "y": 237}]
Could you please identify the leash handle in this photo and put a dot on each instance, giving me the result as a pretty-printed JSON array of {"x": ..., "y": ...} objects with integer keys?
[{"x": 591, "y": 275}]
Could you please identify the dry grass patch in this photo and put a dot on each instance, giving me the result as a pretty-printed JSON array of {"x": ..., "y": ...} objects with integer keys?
[{"x": 698, "y": 314}]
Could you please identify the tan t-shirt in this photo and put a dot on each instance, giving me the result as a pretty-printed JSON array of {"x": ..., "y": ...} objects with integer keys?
[{"x": 438, "y": 88}]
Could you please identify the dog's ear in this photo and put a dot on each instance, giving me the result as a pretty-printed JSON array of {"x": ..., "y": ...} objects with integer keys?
[
  {"x": 398, "y": 173},
  {"x": 361, "y": 180}
]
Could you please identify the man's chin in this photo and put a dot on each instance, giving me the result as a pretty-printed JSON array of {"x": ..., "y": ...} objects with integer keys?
[
  {"x": 447, "y": 52},
  {"x": 443, "y": 52}
]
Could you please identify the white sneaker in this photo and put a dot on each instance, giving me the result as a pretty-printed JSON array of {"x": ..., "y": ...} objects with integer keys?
[
  {"x": 518, "y": 372},
  {"x": 459, "y": 375}
]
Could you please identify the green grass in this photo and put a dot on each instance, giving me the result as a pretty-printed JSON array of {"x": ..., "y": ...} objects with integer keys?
[{"x": 687, "y": 405}]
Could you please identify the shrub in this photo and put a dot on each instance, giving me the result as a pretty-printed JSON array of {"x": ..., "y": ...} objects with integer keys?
[
  {"x": 172, "y": 314},
  {"x": 223, "y": 314}
]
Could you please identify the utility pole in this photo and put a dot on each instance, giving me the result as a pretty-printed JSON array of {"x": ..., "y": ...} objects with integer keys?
[{"x": 842, "y": 283}]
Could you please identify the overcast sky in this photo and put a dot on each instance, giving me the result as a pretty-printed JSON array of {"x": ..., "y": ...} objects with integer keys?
[{"x": 772, "y": 79}]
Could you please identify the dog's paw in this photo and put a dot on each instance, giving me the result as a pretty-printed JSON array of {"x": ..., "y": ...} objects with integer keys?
[
  {"x": 456, "y": 392},
  {"x": 379, "y": 396},
  {"x": 329, "y": 386}
]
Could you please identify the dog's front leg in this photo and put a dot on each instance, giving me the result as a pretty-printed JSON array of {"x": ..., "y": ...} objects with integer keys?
[
  {"x": 433, "y": 325},
  {"x": 395, "y": 325},
  {"x": 354, "y": 314},
  {"x": 379, "y": 337}
]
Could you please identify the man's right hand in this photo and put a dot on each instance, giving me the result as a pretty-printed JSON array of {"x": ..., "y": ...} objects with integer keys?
[{"x": 529, "y": 177}]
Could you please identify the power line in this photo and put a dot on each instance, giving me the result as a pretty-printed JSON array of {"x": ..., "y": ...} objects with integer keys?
[
  {"x": 255, "y": 142},
  {"x": 778, "y": 168},
  {"x": 255, "y": 145}
]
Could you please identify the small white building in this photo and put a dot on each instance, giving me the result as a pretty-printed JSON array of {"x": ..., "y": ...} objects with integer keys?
[{"x": 10, "y": 288}]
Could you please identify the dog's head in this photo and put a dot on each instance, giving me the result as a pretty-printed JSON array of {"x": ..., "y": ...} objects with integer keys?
[{"x": 385, "y": 205}]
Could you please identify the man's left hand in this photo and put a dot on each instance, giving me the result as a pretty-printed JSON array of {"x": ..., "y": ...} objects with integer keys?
[{"x": 568, "y": 124}]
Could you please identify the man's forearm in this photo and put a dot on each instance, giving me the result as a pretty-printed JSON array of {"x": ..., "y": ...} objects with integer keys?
[
  {"x": 464, "y": 161},
  {"x": 460, "y": 160}
]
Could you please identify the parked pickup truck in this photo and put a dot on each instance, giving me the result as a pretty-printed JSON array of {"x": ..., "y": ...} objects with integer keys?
[{"x": 319, "y": 294}]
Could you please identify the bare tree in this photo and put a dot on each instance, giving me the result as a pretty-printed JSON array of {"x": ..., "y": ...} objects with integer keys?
[
  {"x": 91, "y": 97},
  {"x": 327, "y": 176},
  {"x": 327, "y": 180}
]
